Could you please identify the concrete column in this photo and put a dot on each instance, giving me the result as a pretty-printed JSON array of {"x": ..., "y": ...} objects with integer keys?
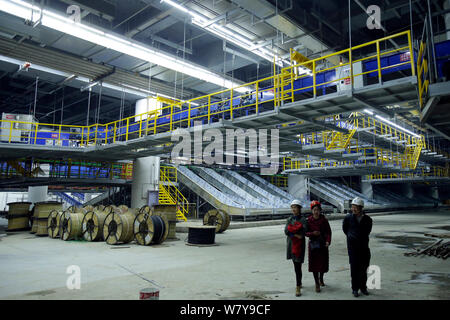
[
  {"x": 145, "y": 180},
  {"x": 366, "y": 189},
  {"x": 298, "y": 187},
  {"x": 37, "y": 194}
]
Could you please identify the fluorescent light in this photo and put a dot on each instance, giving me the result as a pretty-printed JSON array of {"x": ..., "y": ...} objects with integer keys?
[
  {"x": 397, "y": 126},
  {"x": 55, "y": 21},
  {"x": 176, "y": 5},
  {"x": 93, "y": 84},
  {"x": 368, "y": 111}
]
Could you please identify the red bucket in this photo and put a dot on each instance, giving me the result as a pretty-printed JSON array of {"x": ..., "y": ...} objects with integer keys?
[{"x": 149, "y": 294}]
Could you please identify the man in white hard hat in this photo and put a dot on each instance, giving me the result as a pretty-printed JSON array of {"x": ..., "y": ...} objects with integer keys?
[
  {"x": 295, "y": 229},
  {"x": 357, "y": 227}
]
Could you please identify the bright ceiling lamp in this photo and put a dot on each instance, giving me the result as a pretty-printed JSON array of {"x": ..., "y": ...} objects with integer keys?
[
  {"x": 55, "y": 21},
  {"x": 369, "y": 112},
  {"x": 226, "y": 34},
  {"x": 397, "y": 126}
]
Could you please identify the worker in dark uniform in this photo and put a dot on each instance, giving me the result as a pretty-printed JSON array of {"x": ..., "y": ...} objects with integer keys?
[
  {"x": 295, "y": 229},
  {"x": 357, "y": 227}
]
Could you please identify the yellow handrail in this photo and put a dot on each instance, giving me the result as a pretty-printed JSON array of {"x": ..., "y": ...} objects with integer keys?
[{"x": 281, "y": 85}]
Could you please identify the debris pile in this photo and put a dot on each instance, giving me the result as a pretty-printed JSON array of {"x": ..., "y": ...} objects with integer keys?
[{"x": 437, "y": 249}]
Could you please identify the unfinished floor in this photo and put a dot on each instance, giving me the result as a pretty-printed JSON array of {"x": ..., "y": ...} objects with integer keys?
[{"x": 247, "y": 263}]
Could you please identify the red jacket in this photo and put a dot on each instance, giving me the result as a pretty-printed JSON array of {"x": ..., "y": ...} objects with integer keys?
[{"x": 296, "y": 242}]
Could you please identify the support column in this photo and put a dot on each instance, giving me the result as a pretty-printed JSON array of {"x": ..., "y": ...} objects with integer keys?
[
  {"x": 145, "y": 180},
  {"x": 298, "y": 187},
  {"x": 37, "y": 194},
  {"x": 366, "y": 189}
]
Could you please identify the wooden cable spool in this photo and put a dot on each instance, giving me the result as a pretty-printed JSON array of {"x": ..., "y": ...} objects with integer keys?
[
  {"x": 150, "y": 229},
  {"x": 100, "y": 207},
  {"x": 88, "y": 208},
  {"x": 118, "y": 228},
  {"x": 169, "y": 211},
  {"x": 92, "y": 225},
  {"x": 41, "y": 214},
  {"x": 71, "y": 228},
  {"x": 218, "y": 218},
  {"x": 201, "y": 236},
  {"x": 116, "y": 209},
  {"x": 145, "y": 209},
  {"x": 18, "y": 216},
  {"x": 72, "y": 209},
  {"x": 53, "y": 224}
]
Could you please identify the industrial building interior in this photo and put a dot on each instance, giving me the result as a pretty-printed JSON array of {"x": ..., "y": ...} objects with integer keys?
[{"x": 345, "y": 99}]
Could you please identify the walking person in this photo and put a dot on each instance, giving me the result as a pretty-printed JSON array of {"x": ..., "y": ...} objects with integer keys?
[
  {"x": 357, "y": 227},
  {"x": 319, "y": 234},
  {"x": 295, "y": 229}
]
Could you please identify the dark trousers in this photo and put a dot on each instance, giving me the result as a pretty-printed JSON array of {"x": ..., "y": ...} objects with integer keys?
[
  {"x": 358, "y": 273},
  {"x": 298, "y": 273}
]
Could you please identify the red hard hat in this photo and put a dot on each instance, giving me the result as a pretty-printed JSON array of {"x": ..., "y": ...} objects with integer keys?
[{"x": 315, "y": 203}]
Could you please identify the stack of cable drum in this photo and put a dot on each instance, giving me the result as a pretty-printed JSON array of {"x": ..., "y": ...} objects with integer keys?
[
  {"x": 150, "y": 228},
  {"x": 218, "y": 218},
  {"x": 112, "y": 224},
  {"x": 18, "y": 216},
  {"x": 42, "y": 211},
  {"x": 70, "y": 224}
]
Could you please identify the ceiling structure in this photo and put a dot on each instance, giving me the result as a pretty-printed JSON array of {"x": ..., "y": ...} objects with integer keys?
[{"x": 236, "y": 40}]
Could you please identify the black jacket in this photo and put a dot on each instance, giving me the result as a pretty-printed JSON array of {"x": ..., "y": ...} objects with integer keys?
[{"x": 357, "y": 235}]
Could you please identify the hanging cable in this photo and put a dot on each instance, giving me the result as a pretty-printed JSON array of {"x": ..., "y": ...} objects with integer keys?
[
  {"x": 62, "y": 105},
  {"x": 35, "y": 96},
  {"x": 97, "y": 120},
  {"x": 175, "y": 82},
  {"x": 184, "y": 58},
  {"x": 89, "y": 107},
  {"x": 54, "y": 109}
]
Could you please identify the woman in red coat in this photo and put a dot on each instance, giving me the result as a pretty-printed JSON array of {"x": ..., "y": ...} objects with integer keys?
[{"x": 319, "y": 234}]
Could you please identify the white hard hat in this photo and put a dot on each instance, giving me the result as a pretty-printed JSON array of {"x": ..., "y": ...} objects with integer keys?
[
  {"x": 358, "y": 202},
  {"x": 296, "y": 202}
]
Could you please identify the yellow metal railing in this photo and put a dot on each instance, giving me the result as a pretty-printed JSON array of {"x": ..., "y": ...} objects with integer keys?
[
  {"x": 226, "y": 104},
  {"x": 369, "y": 156},
  {"x": 67, "y": 169},
  {"x": 170, "y": 194},
  {"x": 278, "y": 180},
  {"x": 435, "y": 171},
  {"x": 289, "y": 74}
]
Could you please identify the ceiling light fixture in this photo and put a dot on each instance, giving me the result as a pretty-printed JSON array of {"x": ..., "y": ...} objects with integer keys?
[
  {"x": 227, "y": 34},
  {"x": 396, "y": 125},
  {"x": 63, "y": 24}
]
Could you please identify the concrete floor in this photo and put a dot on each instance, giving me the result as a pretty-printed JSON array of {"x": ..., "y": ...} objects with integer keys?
[{"x": 247, "y": 263}]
